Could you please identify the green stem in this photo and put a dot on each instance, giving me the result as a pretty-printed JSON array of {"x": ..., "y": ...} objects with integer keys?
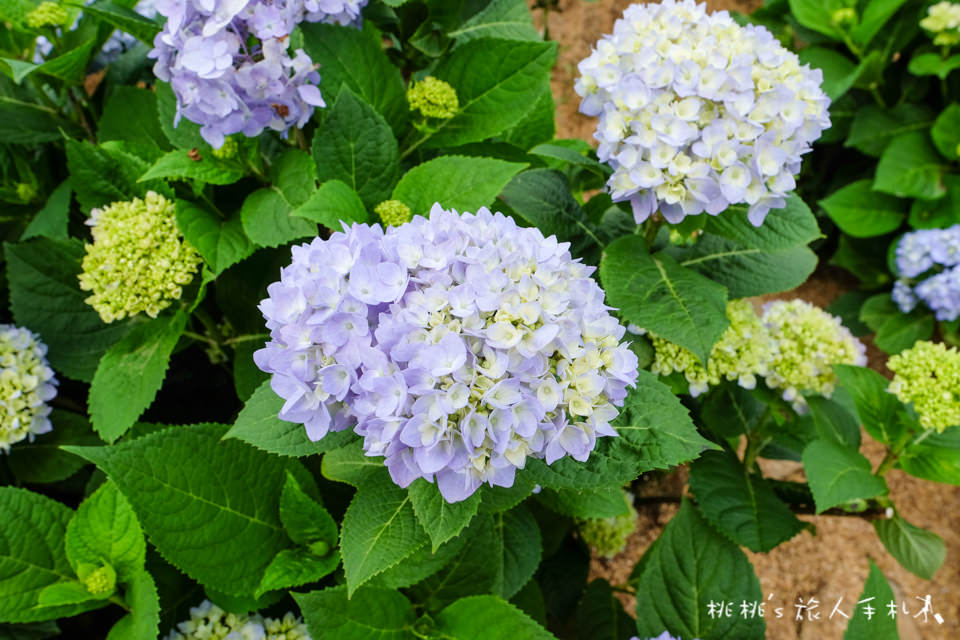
[
  {"x": 757, "y": 439},
  {"x": 246, "y": 338},
  {"x": 201, "y": 338},
  {"x": 301, "y": 139},
  {"x": 117, "y": 600},
  {"x": 651, "y": 227},
  {"x": 893, "y": 453}
]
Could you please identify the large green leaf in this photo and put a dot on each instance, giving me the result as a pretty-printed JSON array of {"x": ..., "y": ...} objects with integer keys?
[
  {"x": 838, "y": 474},
  {"x": 497, "y": 83},
  {"x": 602, "y": 502},
  {"x": 105, "y": 530},
  {"x": 355, "y": 145},
  {"x": 43, "y": 461},
  {"x": 818, "y": 15},
  {"x": 369, "y": 612},
  {"x": 876, "y": 407},
  {"x": 901, "y": 330},
  {"x": 133, "y": 369},
  {"x": 379, "y": 529},
  {"x": 600, "y": 616},
  {"x": 210, "y": 507},
  {"x": 910, "y": 167},
  {"x": 130, "y": 115},
  {"x": 875, "y": 15},
  {"x": 690, "y": 567},
  {"x": 222, "y": 243},
  {"x": 441, "y": 520},
  {"x": 936, "y": 457},
  {"x": 333, "y": 204},
  {"x": 267, "y": 213},
  {"x": 455, "y": 182},
  {"x": 861, "y": 212},
  {"x": 879, "y": 626},
  {"x": 839, "y": 72},
  {"x": 656, "y": 293},
  {"x": 51, "y": 221},
  {"x": 188, "y": 165},
  {"x": 27, "y": 123},
  {"x": 741, "y": 505},
  {"x": 104, "y": 174},
  {"x": 507, "y": 19},
  {"x": 143, "y": 621},
  {"x": 123, "y": 18},
  {"x": 487, "y": 618},
  {"x": 45, "y": 296},
  {"x": 946, "y": 132},
  {"x": 834, "y": 422},
  {"x": 919, "y": 551},
  {"x": 350, "y": 464},
  {"x": 873, "y": 128}
]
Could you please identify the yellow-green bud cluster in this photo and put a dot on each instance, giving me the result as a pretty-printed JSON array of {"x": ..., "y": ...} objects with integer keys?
[
  {"x": 844, "y": 16},
  {"x": 608, "y": 536},
  {"x": 210, "y": 622},
  {"x": 47, "y": 14},
  {"x": 228, "y": 150},
  {"x": 138, "y": 262},
  {"x": 26, "y": 191},
  {"x": 393, "y": 213},
  {"x": 433, "y": 98},
  {"x": 26, "y": 385},
  {"x": 928, "y": 375},
  {"x": 943, "y": 22},
  {"x": 101, "y": 582},
  {"x": 744, "y": 351},
  {"x": 809, "y": 342}
]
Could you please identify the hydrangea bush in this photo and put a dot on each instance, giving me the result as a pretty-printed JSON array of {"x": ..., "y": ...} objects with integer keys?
[{"x": 314, "y": 328}]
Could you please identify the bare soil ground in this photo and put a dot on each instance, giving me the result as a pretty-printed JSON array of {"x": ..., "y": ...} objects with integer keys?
[{"x": 833, "y": 563}]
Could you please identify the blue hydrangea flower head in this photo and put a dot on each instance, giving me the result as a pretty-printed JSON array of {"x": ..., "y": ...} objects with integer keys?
[
  {"x": 456, "y": 345},
  {"x": 229, "y": 65},
  {"x": 928, "y": 261},
  {"x": 697, "y": 113},
  {"x": 27, "y": 383}
]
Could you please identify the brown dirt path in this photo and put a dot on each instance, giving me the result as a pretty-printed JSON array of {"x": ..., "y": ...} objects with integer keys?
[{"x": 832, "y": 564}]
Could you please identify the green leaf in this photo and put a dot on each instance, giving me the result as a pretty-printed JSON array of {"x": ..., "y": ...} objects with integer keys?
[
  {"x": 349, "y": 464},
  {"x": 861, "y": 212},
  {"x": 538, "y": 125},
  {"x": 132, "y": 369},
  {"x": 507, "y": 19},
  {"x": 946, "y": 132},
  {"x": 32, "y": 529},
  {"x": 296, "y": 567},
  {"x": 477, "y": 568},
  {"x": 938, "y": 214},
  {"x": 130, "y": 115},
  {"x": 936, "y": 457},
  {"x": 186, "y": 134},
  {"x": 101, "y": 175},
  {"x": 28, "y": 123},
  {"x": 267, "y": 213},
  {"x": 839, "y": 72},
  {"x": 691, "y": 566},
  {"x": 258, "y": 425},
  {"x": 379, "y": 530},
  {"x": 206, "y": 168},
  {"x": 818, "y": 15},
  {"x": 730, "y": 411},
  {"x": 369, "y": 612},
  {"x": 602, "y": 502},
  {"x": 518, "y": 549},
  {"x": 104, "y": 530},
  {"x": 911, "y": 168},
  {"x": 441, "y": 520},
  {"x": 332, "y": 204},
  {"x": 355, "y": 145},
  {"x": 875, "y": 15},
  {"x": 62, "y": 593},
  {"x": 877, "y": 309},
  {"x": 876, "y": 407},
  {"x": 487, "y": 618},
  {"x": 141, "y": 28},
  {"x": 931, "y": 64},
  {"x": 305, "y": 520},
  {"x": 222, "y": 243},
  {"x": 600, "y": 616},
  {"x": 873, "y": 128},
  {"x": 29, "y": 631},
  {"x": 421, "y": 564},
  {"x": 355, "y": 59},
  {"x": 901, "y": 330},
  {"x": 51, "y": 221},
  {"x": 834, "y": 422},
  {"x": 70, "y": 66},
  {"x": 837, "y": 475},
  {"x": 455, "y": 182},
  {"x": 45, "y": 296},
  {"x": 654, "y": 292},
  {"x": 919, "y": 551},
  {"x": 741, "y": 505},
  {"x": 611, "y": 462},
  {"x": 42, "y": 461},
  {"x": 497, "y": 83},
  {"x": 144, "y": 601},
  {"x": 209, "y": 507},
  {"x": 878, "y": 593}
]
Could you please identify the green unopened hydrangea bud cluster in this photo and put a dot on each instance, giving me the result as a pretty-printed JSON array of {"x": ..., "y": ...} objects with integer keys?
[
  {"x": 928, "y": 375},
  {"x": 47, "y": 14},
  {"x": 210, "y": 622},
  {"x": 809, "y": 342},
  {"x": 26, "y": 385},
  {"x": 393, "y": 213},
  {"x": 843, "y": 16},
  {"x": 101, "y": 582},
  {"x": 26, "y": 191},
  {"x": 138, "y": 260},
  {"x": 228, "y": 150},
  {"x": 943, "y": 22},
  {"x": 608, "y": 536},
  {"x": 433, "y": 98},
  {"x": 743, "y": 352}
]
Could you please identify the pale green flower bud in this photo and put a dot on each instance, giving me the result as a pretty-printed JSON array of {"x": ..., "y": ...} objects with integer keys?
[
  {"x": 26, "y": 191},
  {"x": 393, "y": 213},
  {"x": 809, "y": 342},
  {"x": 101, "y": 582},
  {"x": 844, "y": 16},
  {"x": 228, "y": 150},
  {"x": 433, "y": 98},
  {"x": 928, "y": 375},
  {"x": 47, "y": 14},
  {"x": 608, "y": 536},
  {"x": 139, "y": 261},
  {"x": 26, "y": 385}
]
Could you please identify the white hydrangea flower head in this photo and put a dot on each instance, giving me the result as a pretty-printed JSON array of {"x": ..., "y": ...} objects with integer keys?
[
  {"x": 697, "y": 113},
  {"x": 210, "y": 622},
  {"x": 809, "y": 342},
  {"x": 27, "y": 383},
  {"x": 943, "y": 23}
]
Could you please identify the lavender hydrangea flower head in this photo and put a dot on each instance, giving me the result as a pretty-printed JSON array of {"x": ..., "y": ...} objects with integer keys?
[
  {"x": 228, "y": 64},
  {"x": 697, "y": 113},
  {"x": 931, "y": 256},
  {"x": 663, "y": 636},
  {"x": 27, "y": 383},
  {"x": 210, "y": 622},
  {"x": 458, "y": 346}
]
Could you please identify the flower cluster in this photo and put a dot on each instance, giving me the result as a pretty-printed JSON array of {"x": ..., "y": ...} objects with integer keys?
[
  {"x": 663, "y": 636},
  {"x": 458, "y": 345},
  {"x": 228, "y": 64},
  {"x": 26, "y": 385},
  {"x": 929, "y": 264},
  {"x": 744, "y": 351},
  {"x": 697, "y": 113},
  {"x": 433, "y": 98},
  {"x": 138, "y": 260},
  {"x": 47, "y": 14},
  {"x": 928, "y": 375},
  {"x": 393, "y": 213},
  {"x": 608, "y": 536},
  {"x": 943, "y": 22},
  {"x": 210, "y": 622},
  {"x": 793, "y": 347}
]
